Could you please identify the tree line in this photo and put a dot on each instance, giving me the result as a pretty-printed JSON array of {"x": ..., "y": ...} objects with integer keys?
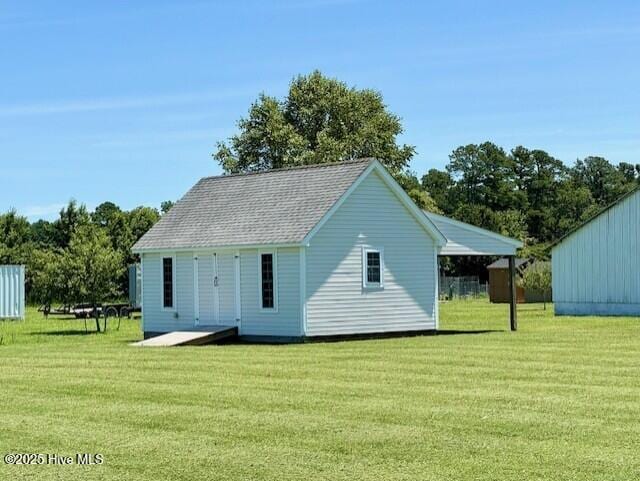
[
  {"x": 523, "y": 193},
  {"x": 81, "y": 257},
  {"x": 526, "y": 193}
]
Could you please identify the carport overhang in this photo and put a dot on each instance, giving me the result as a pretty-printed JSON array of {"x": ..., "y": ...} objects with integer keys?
[{"x": 468, "y": 240}]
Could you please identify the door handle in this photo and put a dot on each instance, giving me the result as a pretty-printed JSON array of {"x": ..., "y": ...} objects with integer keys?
[{"x": 215, "y": 281}]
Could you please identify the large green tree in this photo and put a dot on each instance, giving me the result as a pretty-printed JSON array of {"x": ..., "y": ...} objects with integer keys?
[
  {"x": 44, "y": 233},
  {"x": 320, "y": 120},
  {"x": 412, "y": 186},
  {"x": 141, "y": 219},
  {"x": 439, "y": 185},
  {"x": 104, "y": 213},
  {"x": 605, "y": 182},
  {"x": 15, "y": 238},
  {"x": 485, "y": 175},
  {"x": 574, "y": 204},
  {"x": 539, "y": 176},
  {"x": 72, "y": 217},
  {"x": 630, "y": 172},
  {"x": 47, "y": 282}
]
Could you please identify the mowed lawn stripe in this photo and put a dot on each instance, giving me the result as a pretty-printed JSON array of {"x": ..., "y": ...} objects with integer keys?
[{"x": 556, "y": 400}]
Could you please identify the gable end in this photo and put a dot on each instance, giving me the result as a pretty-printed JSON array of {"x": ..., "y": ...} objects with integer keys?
[{"x": 399, "y": 193}]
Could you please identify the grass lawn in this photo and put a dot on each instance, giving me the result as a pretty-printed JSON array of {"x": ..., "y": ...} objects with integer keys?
[{"x": 559, "y": 399}]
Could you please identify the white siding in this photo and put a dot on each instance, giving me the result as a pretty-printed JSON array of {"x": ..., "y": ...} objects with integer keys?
[
  {"x": 336, "y": 301},
  {"x": 11, "y": 292},
  {"x": 596, "y": 270},
  {"x": 155, "y": 318},
  {"x": 205, "y": 289},
  {"x": 286, "y": 320},
  {"x": 255, "y": 321}
]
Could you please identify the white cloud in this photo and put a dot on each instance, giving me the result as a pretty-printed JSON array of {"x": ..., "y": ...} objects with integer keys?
[
  {"x": 35, "y": 212},
  {"x": 121, "y": 103}
]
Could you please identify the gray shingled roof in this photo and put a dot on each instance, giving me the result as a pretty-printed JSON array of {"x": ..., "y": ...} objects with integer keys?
[{"x": 273, "y": 207}]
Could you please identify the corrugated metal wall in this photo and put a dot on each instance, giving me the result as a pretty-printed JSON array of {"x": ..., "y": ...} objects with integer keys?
[
  {"x": 135, "y": 285},
  {"x": 11, "y": 292},
  {"x": 596, "y": 270}
]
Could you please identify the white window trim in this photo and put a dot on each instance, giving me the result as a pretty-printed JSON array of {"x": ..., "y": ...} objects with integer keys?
[
  {"x": 196, "y": 289},
  {"x": 274, "y": 253},
  {"x": 237, "y": 288},
  {"x": 372, "y": 285},
  {"x": 173, "y": 308}
]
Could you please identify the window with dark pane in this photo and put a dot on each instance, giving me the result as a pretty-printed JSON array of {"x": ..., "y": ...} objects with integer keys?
[
  {"x": 373, "y": 267},
  {"x": 167, "y": 282},
  {"x": 266, "y": 263}
]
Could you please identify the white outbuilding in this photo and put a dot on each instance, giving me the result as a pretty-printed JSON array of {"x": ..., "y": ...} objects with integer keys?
[
  {"x": 307, "y": 252},
  {"x": 596, "y": 267}
]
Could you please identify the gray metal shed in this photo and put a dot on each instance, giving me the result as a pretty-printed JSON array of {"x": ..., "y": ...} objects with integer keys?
[
  {"x": 596, "y": 267},
  {"x": 12, "y": 292}
]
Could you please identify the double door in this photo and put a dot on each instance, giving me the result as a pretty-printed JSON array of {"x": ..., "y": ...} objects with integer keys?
[{"x": 215, "y": 289}]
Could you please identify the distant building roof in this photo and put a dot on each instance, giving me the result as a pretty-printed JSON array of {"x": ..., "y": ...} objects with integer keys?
[
  {"x": 279, "y": 206},
  {"x": 504, "y": 263}
]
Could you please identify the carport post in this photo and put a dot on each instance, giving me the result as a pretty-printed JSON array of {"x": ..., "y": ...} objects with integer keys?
[{"x": 513, "y": 315}]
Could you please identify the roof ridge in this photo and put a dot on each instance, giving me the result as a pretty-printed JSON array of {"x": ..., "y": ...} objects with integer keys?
[{"x": 297, "y": 167}]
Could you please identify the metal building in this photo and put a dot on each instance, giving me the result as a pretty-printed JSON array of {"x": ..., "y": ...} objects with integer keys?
[
  {"x": 596, "y": 267},
  {"x": 11, "y": 292},
  {"x": 135, "y": 286}
]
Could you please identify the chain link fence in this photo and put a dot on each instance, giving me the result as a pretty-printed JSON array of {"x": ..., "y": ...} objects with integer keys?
[{"x": 464, "y": 287}]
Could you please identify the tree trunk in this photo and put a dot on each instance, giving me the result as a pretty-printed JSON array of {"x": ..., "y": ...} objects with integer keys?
[{"x": 97, "y": 317}]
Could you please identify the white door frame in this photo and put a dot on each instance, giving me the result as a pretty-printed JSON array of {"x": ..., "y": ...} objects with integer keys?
[
  {"x": 214, "y": 256},
  {"x": 196, "y": 291},
  {"x": 236, "y": 290},
  {"x": 216, "y": 291}
]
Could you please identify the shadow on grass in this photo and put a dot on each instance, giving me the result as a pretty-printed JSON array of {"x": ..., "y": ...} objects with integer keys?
[
  {"x": 455, "y": 332},
  {"x": 72, "y": 332},
  {"x": 336, "y": 339}
]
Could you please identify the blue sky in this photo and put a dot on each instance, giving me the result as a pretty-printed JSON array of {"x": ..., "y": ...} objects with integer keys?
[{"x": 125, "y": 101}]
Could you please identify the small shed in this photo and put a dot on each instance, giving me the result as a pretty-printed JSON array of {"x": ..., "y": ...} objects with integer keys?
[
  {"x": 286, "y": 255},
  {"x": 12, "y": 292},
  {"x": 499, "y": 281},
  {"x": 289, "y": 254}
]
